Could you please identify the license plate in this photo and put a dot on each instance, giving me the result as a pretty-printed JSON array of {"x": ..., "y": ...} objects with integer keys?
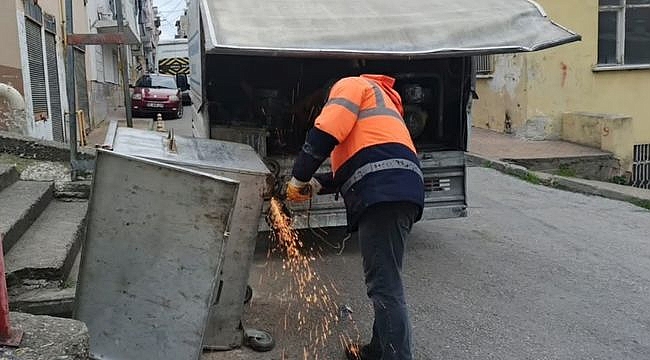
[{"x": 155, "y": 105}]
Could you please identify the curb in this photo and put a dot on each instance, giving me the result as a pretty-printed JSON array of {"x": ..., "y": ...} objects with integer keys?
[{"x": 555, "y": 181}]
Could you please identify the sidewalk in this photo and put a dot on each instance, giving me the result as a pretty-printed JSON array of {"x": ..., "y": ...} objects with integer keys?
[
  {"x": 97, "y": 135},
  {"x": 489, "y": 148},
  {"x": 495, "y": 145}
]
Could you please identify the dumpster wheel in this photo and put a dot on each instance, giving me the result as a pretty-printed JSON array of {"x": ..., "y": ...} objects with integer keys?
[{"x": 259, "y": 340}]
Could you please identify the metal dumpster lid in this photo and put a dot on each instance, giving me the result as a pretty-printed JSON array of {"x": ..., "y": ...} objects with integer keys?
[
  {"x": 196, "y": 152},
  {"x": 384, "y": 28}
]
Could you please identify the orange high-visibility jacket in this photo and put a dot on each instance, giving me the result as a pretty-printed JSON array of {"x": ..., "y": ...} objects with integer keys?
[
  {"x": 362, "y": 112},
  {"x": 374, "y": 160}
]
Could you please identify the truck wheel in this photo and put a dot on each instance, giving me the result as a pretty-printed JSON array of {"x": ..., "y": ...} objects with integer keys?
[{"x": 258, "y": 340}]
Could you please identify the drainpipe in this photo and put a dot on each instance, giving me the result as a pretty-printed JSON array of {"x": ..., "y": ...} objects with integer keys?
[
  {"x": 124, "y": 59},
  {"x": 16, "y": 114},
  {"x": 70, "y": 89}
]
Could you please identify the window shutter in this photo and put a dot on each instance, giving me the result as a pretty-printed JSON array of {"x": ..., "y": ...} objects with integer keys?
[
  {"x": 55, "y": 94},
  {"x": 36, "y": 69}
]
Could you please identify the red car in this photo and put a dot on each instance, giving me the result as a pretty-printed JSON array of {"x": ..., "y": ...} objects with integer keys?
[{"x": 156, "y": 94}]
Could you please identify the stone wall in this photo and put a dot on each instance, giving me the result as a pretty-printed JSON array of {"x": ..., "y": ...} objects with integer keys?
[{"x": 31, "y": 148}]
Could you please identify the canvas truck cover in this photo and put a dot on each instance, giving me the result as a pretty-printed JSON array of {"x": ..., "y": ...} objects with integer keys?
[{"x": 383, "y": 28}]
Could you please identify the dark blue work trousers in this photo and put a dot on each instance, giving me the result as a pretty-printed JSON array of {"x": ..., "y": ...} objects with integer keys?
[{"x": 383, "y": 229}]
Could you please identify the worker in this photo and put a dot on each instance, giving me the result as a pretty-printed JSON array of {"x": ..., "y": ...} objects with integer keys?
[{"x": 376, "y": 170}]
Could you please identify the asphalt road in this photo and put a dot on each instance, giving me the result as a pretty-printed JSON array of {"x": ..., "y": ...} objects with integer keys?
[
  {"x": 182, "y": 126},
  {"x": 532, "y": 273}
]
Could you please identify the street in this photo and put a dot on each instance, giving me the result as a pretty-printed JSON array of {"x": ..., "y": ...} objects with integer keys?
[
  {"x": 532, "y": 273},
  {"x": 181, "y": 126}
]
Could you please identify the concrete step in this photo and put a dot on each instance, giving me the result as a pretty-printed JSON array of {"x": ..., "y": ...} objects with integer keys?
[
  {"x": 8, "y": 175},
  {"x": 47, "y": 337},
  {"x": 45, "y": 301},
  {"x": 20, "y": 204},
  {"x": 47, "y": 298},
  {"x": 48, "y": 249}
]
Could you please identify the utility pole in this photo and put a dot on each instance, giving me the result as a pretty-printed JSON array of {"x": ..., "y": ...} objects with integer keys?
[
  {"x": 70, "y": 89},
  {"x": 125, "y": 64}
]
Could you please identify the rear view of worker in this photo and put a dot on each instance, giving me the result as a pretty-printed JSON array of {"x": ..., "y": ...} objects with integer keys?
[{"x": 376, "y": 170}]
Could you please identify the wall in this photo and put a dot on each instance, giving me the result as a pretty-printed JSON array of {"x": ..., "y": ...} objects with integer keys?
[
  {"x": 10, "y": 67},
  {"x": 561, "y": 80},
  {"x": 502, "y": 96},
  {"x": 42, "y": 129},
  {"x": 103, "y": 73},
  {"x": 38, "y": 129}
]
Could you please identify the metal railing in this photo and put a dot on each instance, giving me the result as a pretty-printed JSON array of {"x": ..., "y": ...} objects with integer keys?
[{"x": 641, "y": 166}]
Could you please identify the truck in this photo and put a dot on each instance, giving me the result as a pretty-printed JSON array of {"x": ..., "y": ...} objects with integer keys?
[
  {"x": 259, "y": 72},
  {"x": 172, "y": 59}
]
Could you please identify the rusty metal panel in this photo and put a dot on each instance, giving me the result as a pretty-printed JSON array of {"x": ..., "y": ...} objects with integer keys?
[
  {"x": 152, "y": 257},
  {"x": 641, "y": 166},
  {"x": 97, "y": 39}
]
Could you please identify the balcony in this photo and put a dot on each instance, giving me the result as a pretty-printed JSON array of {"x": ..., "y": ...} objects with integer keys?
[
  {"x": 110, "y": 26},
  {"x": 107, "y": 23}
]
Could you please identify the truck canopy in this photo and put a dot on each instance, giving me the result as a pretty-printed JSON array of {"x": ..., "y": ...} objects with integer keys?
[{"x": 378, "y": 28}]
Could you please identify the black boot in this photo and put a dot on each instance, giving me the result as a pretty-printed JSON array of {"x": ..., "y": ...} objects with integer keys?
[{"x": 354, "y": 352}]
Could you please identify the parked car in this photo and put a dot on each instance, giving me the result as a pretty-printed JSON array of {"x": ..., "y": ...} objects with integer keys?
[{"x": 156, "y": 94}]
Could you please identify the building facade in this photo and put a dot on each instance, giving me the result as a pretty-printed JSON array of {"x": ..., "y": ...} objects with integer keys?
[
  {"x": 593, "y": 92},
  {"x": 105, "y": 77},
  {"x": 33, "y": 62},
  {"x": 182, "y": 23}
]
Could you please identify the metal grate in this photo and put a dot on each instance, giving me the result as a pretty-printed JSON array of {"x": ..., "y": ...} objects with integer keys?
[
  {"x": 437, "y": 184},
  {"x": 55, "y": 95},
  {"x": 641, "y": 166},
  {"x": 36, "y": 69},
  {"x": 484, "y": 64}
]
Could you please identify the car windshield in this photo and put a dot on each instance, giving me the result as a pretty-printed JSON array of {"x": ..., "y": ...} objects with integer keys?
[{"x": 162, "y": 82}]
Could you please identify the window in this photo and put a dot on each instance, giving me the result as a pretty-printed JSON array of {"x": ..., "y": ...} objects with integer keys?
[{"x": 624, "y": 32}]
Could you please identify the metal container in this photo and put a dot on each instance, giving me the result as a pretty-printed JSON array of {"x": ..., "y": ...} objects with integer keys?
[
  {"x": 152, "y": 257},
  {"x": 233, "y": 160}
]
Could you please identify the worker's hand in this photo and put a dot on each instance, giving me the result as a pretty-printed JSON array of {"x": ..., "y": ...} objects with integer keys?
[
  {"x": 315, "y": 186},
  {"x": 299, "y": 191}
]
